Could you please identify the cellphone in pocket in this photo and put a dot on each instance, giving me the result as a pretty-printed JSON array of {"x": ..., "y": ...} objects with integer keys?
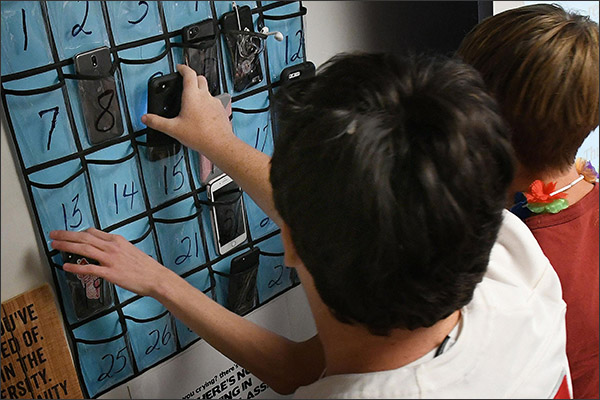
[
  {"x": 242, "y": 292},
  {"x": 228, "y": 216},
  {"x": 244, "y": 47},
  {"x": 90, "y": 294},
  {"x": 98, "y": 94},
  {"x": 164, "y": 99},
  {"x": 200, "y": 52}
]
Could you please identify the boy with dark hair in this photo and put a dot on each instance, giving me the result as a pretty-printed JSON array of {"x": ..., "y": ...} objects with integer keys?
[
  {"x": 541, "y": 63},
  {"x": 387, "y": 180}
]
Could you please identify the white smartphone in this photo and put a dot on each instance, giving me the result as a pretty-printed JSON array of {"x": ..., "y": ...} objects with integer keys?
[{"x": 228, "y": 216}]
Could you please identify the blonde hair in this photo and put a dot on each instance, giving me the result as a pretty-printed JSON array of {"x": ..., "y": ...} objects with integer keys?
[{"x": 541, "y": 64}]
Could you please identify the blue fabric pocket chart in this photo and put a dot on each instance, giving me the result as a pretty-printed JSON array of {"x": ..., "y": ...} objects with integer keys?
[{"x": 160, "y": 206}]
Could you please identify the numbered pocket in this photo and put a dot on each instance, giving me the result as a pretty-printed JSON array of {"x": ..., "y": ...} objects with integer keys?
[
  {"x": 131, "y": 20},
  {"x": 140, "y": 234},
  {"x": 200, "y": 280},
  {"x": 104, "y": 357},
  {"x": 77, "y": 26},
  {"x": 180, "y": 237},
  {"x": 181, "y": 13},
  {"x": 252, "y": 124},
  {"x": 273, "y": 277},
  {"x": 236, "y": 278},
  {"x": 166, "y": 178},
  {"x": 150, "y": 330},
  {"x": 286, "y": 19},
  {"x": 61, "y": 198},
  {"x": 138, "y": 65},
  {"x": 25, "y": 43},
  {"x": 107, "y": 101},
  {"x": 39, "y": 118},
  {"x": 116, "y": 184}
]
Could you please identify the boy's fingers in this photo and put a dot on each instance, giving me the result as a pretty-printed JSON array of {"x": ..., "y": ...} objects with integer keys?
[
  {"x": 158, "y": 123},
  {"x": 86, "y": 269},
  {"x": 77, "y": 237},
  {"x": 189, "y": 76},
  {"x": 82, "y": 249}
]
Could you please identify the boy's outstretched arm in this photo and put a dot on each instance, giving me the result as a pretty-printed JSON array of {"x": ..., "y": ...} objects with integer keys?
[
  {"x": 282, "y": 364},
  {"x": 203, "y": 125}
]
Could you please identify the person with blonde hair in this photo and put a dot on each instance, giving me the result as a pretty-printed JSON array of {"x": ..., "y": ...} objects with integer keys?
[{"x": 541, "y": 64}]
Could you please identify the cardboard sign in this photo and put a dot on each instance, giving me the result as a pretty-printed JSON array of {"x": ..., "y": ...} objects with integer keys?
[{"x": 36, "y": 362}]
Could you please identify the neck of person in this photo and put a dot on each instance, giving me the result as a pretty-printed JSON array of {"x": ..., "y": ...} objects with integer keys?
[
  {"x": 353, "y": 349},
  {"x": 524, "y": 178}
]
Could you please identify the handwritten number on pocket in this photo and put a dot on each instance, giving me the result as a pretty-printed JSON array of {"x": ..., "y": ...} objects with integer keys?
[
  {"x": 24, "y": 29},
  {"x": 166, "y": 336},
  {"x": 184, "y": 257},
  {"x": 125, "y": 194},
  {"x": 53, "y": 125},
  {"x": 137, "y": 21},
  {"x": 76, "y": 212},
  {"x": 120, "y": 358},
  {"x": 105, "y": 111},
  {"x": 258, "y": 137},
  {"x": 276, "y": 281},
  {"x": 77, "y": 29},
  {"x": 296, "y": 55},
  {"x": 175, "y": 174}
]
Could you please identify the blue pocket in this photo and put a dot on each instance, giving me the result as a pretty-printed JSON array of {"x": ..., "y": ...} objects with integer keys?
[
  {"x": 252, "y": 124},
  {"x": 153, "y": 61},
  {"x": 291, "y": 51},
  {"x": 131, "y": 21},
  {"x": 77, "y": 26},
  {"x": 150, "y": 330},
  {"x": 116, "y": 185},
  {"x": 24, "y": 40},
  {"x": 166, "y": 178},
  {"x": 76, "y": 101},
  {"x": 40, "y": 121},
  {"x": 179, "y": 236},
  {"x": 201, "y": 281},
  {"x": 140, "y": 234},
  {"x": 103, "y": 354},
  {"x": 273, "y": 277},
  {"x": 182, "y": 13},
  {"x": 61, "y": 198}
]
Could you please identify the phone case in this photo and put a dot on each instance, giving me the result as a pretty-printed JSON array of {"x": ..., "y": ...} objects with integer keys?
[
  {"x": 243, "y": 49},
  {"x": 99, "y": 99},
  {"x": 200, "y": 52},
  {"x": 164, "y": 99},
  {"x": 297, "y": 72},
  {"x": 214, "y": 213},
  {"x": 243, "y": 294},
  {"x": 89, "y": 293}
]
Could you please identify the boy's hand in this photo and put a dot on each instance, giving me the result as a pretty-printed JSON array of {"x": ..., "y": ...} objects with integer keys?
[{"x": 202, "y": 119}]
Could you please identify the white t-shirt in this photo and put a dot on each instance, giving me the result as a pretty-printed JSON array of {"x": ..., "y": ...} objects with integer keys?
[{"x": 511, "y": 341}]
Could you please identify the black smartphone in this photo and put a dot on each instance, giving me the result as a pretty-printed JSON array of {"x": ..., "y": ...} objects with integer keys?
[
  {"x": 244, "y": 49},
  {"x": 164, "y": 99},
  {"x": 297, "y": 72},
  {"x": 90, "y": 294},
  {"x": 200, "y": 52},
  {"x": 98, "y": 95},
  {"x": 228, "y": 216},
  {"x": 243, "y": 294}
]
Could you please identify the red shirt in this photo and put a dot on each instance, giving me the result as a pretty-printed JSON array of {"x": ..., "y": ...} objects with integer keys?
[{"x": 570, "y": 241}]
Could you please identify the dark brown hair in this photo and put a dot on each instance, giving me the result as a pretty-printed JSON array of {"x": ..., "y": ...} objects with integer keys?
[{"x": 541, "y": 63}]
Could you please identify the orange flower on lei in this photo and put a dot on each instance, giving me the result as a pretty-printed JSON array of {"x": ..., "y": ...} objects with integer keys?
[{"x": 540, "y": 193}]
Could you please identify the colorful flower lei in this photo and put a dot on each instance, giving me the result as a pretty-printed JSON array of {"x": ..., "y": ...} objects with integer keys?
[{"x": 543, "y": 198}]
